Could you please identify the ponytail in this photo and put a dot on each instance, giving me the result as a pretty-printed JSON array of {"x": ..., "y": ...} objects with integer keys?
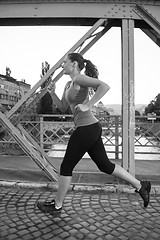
[{"x": 90, "y": 69}]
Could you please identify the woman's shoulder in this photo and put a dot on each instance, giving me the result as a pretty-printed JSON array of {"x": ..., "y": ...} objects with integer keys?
[{"x": 79, "y": 77}]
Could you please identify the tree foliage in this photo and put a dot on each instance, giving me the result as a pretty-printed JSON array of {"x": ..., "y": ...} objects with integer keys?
[
  {"x": 46, "y": 104},
  {"x": 153, "y": 106},
  {"x": 137, "y": 113}
]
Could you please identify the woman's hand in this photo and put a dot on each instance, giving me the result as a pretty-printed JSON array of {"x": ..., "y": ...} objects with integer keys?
[
  {"x": 82, "y": 107},
  {"x": 51, "y": 87}
]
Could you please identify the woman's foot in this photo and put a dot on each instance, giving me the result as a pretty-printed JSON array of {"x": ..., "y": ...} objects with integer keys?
[
  {"x": 144, "y": 192},
  {"x": 49, "y": 207}
]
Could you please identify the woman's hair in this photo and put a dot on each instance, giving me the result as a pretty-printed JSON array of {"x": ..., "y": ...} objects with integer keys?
[{"x": 90, "y": 68}]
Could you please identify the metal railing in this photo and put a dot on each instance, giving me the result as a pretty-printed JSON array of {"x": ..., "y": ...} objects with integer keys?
[
  {"x": 147, "y": 137},
  {"x": 55, "y": 135},
  {"x": 52, "y": 132}
]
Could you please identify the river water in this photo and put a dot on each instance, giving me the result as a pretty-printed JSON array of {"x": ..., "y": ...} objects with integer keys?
[{"x": 145, "y": 149}]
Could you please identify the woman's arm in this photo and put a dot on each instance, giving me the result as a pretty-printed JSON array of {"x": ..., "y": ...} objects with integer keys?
[
  {"x": 101, "y": 87},
  {"x": 61, "y": 104}
]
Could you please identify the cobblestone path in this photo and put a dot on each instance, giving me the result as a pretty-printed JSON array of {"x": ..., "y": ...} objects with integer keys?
[{"x": 85, "y": 215}]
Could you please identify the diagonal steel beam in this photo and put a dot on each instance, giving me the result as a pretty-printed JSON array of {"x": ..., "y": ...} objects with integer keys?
[
  {"x": 31, "y": 150},
  {"x": 152, "y": 34},
  {"x": 97, "y": 37},
  {"x": 94, "y": 39},
  {"x": 16, "y": 119},
  {"x": 148, "y": 17},
  {"x": 54, "y": 68},
  {"x": 19, "y": 134},
  {"x": 35, "y": 144}
]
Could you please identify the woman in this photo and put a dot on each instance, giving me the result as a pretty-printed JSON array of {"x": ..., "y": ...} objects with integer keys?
[{"x": 87, "y": 134}]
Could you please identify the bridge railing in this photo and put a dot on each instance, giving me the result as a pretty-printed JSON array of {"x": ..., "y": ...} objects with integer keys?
[
  {"x": 52, "y": 132},
  {"x": 147, "y": 137},
  {"x": 54, "y": 135}
]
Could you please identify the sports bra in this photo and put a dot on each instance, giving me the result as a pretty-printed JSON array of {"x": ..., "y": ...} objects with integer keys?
[{"x": 76, "y": 96}]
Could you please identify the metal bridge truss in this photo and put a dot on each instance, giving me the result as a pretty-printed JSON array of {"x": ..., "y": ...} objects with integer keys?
[{"x": 101, "y": 16}]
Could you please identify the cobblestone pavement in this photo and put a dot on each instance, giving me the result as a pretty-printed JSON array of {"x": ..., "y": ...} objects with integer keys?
[{"x": 86, "y": 215}]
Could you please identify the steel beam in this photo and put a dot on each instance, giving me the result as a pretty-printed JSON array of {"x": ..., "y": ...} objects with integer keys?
[
  {"x": 152, "y": 34},
  {"x": 31, "y": 150},
  {"x": 128, "y": 109},
  {"x": 95, "y": 13},
  {"x": 54, "y": 68},
  {"x": 62, "y": 10},
  {"x": 19, "y": 134},
  {"x": 151, "y": 15},
  {"x": 82, "y": 50}
]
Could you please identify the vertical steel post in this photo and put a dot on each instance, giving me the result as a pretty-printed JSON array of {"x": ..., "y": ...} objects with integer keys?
[
  {"x": 131, "y": 99},
  {"x": 128, "y": 109},
  {"x": 41, "y": 131},
  {"x": 116, "y": 137}
]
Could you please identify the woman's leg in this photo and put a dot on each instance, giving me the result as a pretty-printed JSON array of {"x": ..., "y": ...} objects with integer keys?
[
  {"x": 63, "y": 186},
  {"x": 55, "y": 206},
  {"x": 79, "y": 142},
  {"x": 98, "y": 154},
  {"x": 75, "y": 150},
  {"x": 123, "y": 174}
]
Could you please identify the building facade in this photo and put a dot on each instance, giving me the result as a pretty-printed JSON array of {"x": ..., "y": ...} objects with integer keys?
[{"x": 11, "y": 90}]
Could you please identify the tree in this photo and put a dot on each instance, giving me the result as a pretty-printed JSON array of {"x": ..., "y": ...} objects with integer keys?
[
  {"x": 137, "y": 113},
  {"x": 46, "y": 104},
  {"x": 153, "y": 106}
]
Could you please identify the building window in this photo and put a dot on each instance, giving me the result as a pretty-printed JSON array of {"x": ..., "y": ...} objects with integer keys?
[{"x": 2, "y": 86}]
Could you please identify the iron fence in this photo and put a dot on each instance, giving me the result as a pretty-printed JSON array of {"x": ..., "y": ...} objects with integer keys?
[{"x": 52, "y": 132}]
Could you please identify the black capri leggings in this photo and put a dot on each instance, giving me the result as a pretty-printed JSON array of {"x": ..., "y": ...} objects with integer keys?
[{"x": 86, "y": 139}]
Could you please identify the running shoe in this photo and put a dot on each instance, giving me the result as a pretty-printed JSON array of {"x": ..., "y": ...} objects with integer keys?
[
  {"x": 48, "y": 207},
  {"x": 144, "y": 192}
]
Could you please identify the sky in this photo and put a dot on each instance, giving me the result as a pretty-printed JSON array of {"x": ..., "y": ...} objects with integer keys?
[{"x": 23, "y": 49}]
